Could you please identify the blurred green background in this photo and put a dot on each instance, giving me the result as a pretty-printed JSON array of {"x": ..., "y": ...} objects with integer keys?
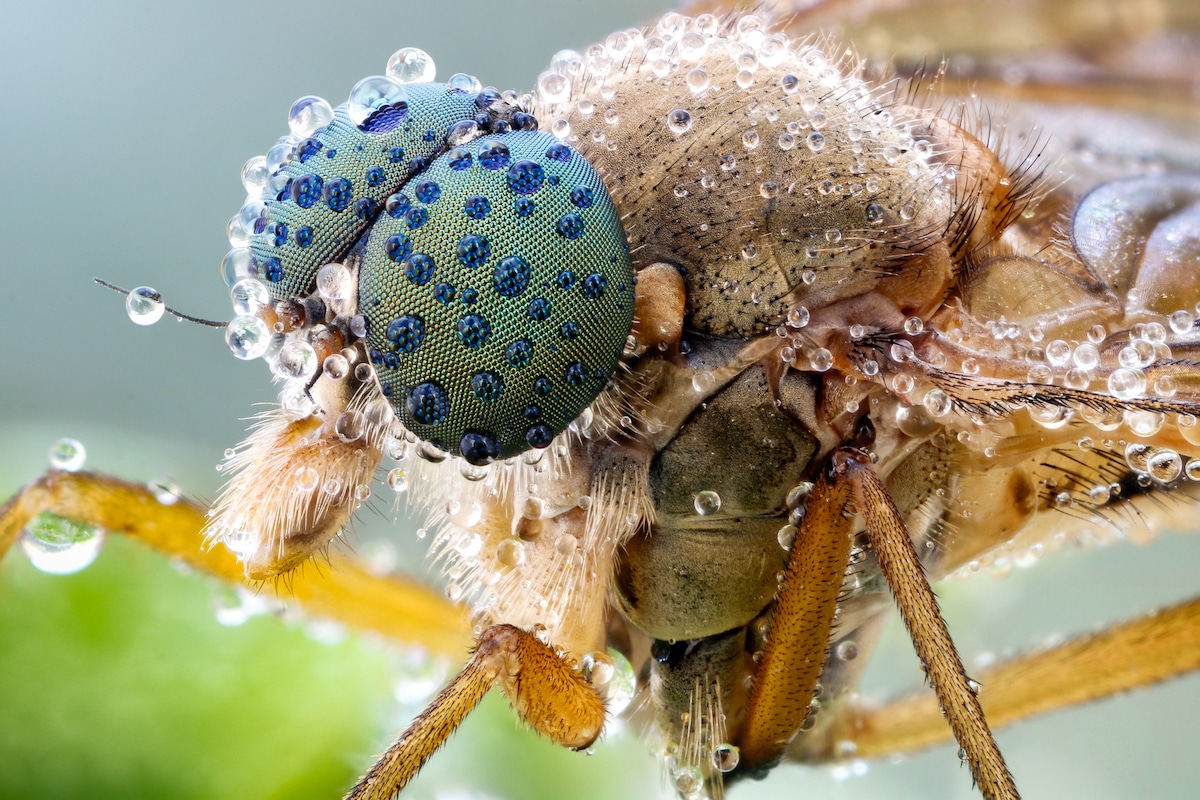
[{"x": 125, "y": 129}]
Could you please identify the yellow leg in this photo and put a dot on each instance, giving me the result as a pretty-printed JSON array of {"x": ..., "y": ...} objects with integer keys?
[
  {"x": 1153, "y": 648},
  {"x": 543, "y": 688},
  {"x": 400, "y": 609}
]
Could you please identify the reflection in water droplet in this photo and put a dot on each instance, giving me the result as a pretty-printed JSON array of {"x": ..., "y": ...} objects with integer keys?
[
  {"x": 706, "y": 502},
  {"x": 411, "y": 65},
  {"x": 144, "y": 305},
  {"x": 60, "y": 546},
  {"x": 67, "y": 454}
]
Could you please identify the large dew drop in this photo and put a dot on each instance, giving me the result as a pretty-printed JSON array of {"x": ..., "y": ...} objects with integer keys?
[
  {"x": 67, "y": 454},
  {"x": 309, "y": 115},
  {"x": 60, "y": 546},
  {"x": 371, "y": 94},
  {"x": 144, "y": 305},
  {"x": 411, "y": 65}
]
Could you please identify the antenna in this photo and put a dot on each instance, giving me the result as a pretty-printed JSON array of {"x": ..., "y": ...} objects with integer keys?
[{"x": 208, "y": 323}]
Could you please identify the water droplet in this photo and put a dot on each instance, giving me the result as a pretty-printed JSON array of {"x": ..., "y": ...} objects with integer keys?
[
  {"x": 144, "y": 305},
  {"x": 67, "y": 455},
  {"x": 703, "y": 382},
  {"x": 750, "y": 139},
  {"x": 1126, "y": 384},
  {"x": 679, "y": 121},
  {"x": 697, "y": 80},
  {"x": 847, "y": 650},
  {"x": 296, "y": 361},
  {"x": 411, "y": 65},
  {"x": 787, "y": 536},
  {"x": 372, "y": 93},
  {"x": 60, "y": 546},
  {"x": 306, "y": 479},
  {"x": 165, "y": 491},
  {"x": 725, "y": 757},
  {"x": 797, "y": 317},
  {"x": 821, "y": 360},
  {"x": 554, "y": 87},
  {"x": 815, "y": 141},
  {"x": 937, "y": 403},
  {"x": 688, "y": 780},
  {"x": 511, "y": 552},
  {"x": 334, "y": 282},
  {"x": 247, "y": 337},
  {"x": 309, "y": 115},
  {"x": 706, "y": 502}
]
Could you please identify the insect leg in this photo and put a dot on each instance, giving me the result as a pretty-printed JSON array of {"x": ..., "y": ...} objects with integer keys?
[
  {"x": 794, "y": 654},
  {"x": 542, "y": 686},
  {"x": 1160, "y": 645},
  {"x": 898, "y": 561},
  {"x": 400, "y": 609}
]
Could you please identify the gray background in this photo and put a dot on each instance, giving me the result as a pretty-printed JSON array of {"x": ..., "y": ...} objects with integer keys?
[{"x": 125, "y": 126}]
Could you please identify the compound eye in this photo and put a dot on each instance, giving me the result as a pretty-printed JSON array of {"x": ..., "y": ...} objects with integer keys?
[{"x": 499, "y": 296}]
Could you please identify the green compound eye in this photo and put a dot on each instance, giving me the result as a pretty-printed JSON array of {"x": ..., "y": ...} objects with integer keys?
[{"x": 498, "y": 294}]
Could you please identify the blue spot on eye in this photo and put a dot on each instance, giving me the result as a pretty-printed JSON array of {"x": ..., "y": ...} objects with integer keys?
[
  {"x": 519, "y": 353},
  {"x": 374, "y": 176},
  {"x": 487, "y": 386},
  {"x": 430, "y": 136},
  {"x": 385, "y": 118},
  {"x": 443, "y": 293},
  {"x": 473, "y": 330},
  {"x": 396, "y": 154},
  {"x": 524, "y": 206},
  {"x": 525, "y": 177},
  {"x": 479, "y": 448},
  {"x": 531, "y": 413},
  {"x": 419, "y": 268},
  {"x": 366, "y": 209},
  {"x": 469, "y": 296},
  {"x": 539, "y": 309},
  {"x": 397, "y": 247},
  {"x": 477, "y": 206},
  {"x": 306, "y": 190},
  {"x": 281, "y": 234},
  {"x": 273, "y": 268},
  {"x": 428, "y": 192},
  {"x": 304, "y": 236},
  {"x": 569, "y": 226},
  {"x": 407, "y": 332},
  {"x": 332, "y": 153},
  {"x": 511, "y": 276},
  {"x": 542, "y": 386},
  {"x": 416, "y": 217},
  {"x": 459, "y": 159},
  {"x": 559, "y": 152},
  {"x": 565, "y": 279},
  {"x": 582, "y": 196},
  {"x": 260, "y": 224},
  {"x": 428, "y": 403},
  {"x": 338, "y": 193},
  {"x": 397, "y": 205},
  {"x": 569, "y": 330},
  {"x": 494, "y": 155},
  {"x": 594, "y": 285},
  {"x": 418, "y": 164},
  {"x": 473, "y": 250},
  {"x": 389, "y": 360},
  {"x": 539, "y": 436},
  {"x": 552, "y": 180},
  {"x": 307, "y": 149},
  {"x": 575, "y": 374}
]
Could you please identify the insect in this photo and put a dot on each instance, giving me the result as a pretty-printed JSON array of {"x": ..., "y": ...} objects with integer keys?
[{"x": 934, "y": 405}]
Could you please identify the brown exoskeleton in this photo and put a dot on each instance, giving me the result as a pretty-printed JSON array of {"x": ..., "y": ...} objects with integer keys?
[{"x": 866, "y": 346}]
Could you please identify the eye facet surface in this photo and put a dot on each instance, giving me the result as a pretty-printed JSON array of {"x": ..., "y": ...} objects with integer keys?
[{"x": 499, "y": 303}]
